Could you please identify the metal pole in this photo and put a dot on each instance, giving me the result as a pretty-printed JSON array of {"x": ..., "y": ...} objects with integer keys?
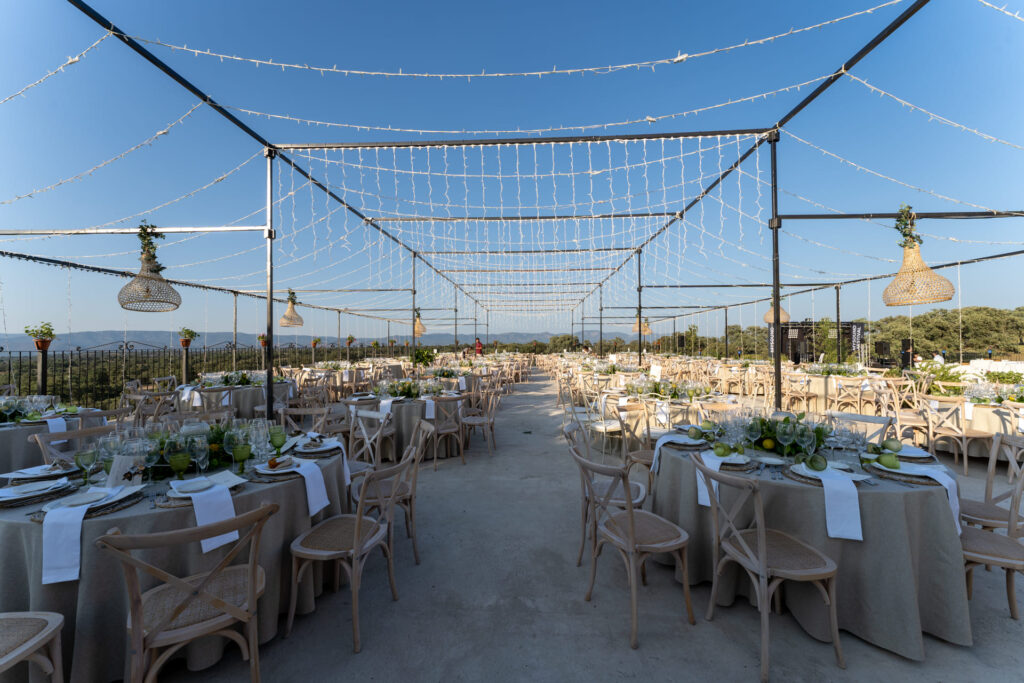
[
  {"x": 268, "y": 350},
  {"x": 234, "y": 337},
  {"x": 839, "y": 331},
  {"x": 600, "y": 317},
  {"x": 726, "y": 331},
  {"x": 476, "y": 311},
  {"x": 41, "y": 363},
  {"x": 412, "y": 333},
  {"x": 456, "y": 345},
  {"x": 488, "y": 327},
  {"x": 675, "y": 337},
  {"x": 639, "y": 314},
  {"x": 339, "y": 332},
  {"x": 775, "y": 224},
  {"x": 184, "y": 365}
]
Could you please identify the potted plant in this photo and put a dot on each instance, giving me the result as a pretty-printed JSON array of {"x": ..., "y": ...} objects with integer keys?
[
  {"x": 42, "y": 335},
  {"x": 262, "y": 338},
  {"x": 349, "y": 340},
  {"x": 315, "y": 342},
  {"x": 185, "y": 336}
]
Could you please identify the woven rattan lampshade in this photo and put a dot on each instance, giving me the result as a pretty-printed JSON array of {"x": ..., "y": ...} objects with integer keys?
[
  {"x": 291, "y": 318},
  {"x": 916, "y": 283},
  {"x": 148, "y": 292},
  {"x": 637, "y": 326},
  {"x": 769, "y": 317},
  {"x": 418, "y": 329}
]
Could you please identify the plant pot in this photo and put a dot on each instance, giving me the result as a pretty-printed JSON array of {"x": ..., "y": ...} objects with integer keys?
[
  {"x": 314, "y": 345},
  {"x": 185, "y": 343},
  {"x": 42, "y": 344},
  {"x": 263, "y": 342}
]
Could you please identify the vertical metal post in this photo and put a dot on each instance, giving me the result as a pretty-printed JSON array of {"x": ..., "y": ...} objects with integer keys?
[
  {"x": 412, "y": 331},
  {"x": 184, "y": 365},
  {"x": 41, "y": 363},
  {"x": 339, "y": 332},
  {"x": 456, "y": 345},
  {"x": 639, "y": 314},
  {"x": 268, "y": 350},
  {"x": 600, "y": 319},
  {"x": 839, "y": 331},
  {"x": 388, "y": 339},
  {"x": 774, "y": 224},
  {"x": 475, "y": 312},
  {"x": 234, "y": 337},
  {"x": 675, "y": 337},
  {"x": 727, "y": 332},
  {"x": 488, "y": 321}
]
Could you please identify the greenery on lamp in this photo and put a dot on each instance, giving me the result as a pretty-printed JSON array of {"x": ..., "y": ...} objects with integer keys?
[
  {"x": 148, "y": 235},
  {"x": 292, "y": 299},
  {"x": 44, "y": 331},
  {"x": 423, "y": 356},
  {"x": 187, "y": 333},
  {"x": 905, "y": 223}
]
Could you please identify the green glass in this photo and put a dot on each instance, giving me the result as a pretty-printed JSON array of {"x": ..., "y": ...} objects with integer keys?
[
  {"x": 179, "y": 462},
  {"x": 241, "y": 453},
  {"x": 278, "y": 438},
  {"x": 85, "y": 459}
]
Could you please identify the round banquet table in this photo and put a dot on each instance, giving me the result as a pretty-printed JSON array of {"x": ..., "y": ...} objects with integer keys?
[
  {"x": 404, "y": 416},
  {"x": 95, "y": 607},
  {"x": 904, "y": 579},
  {"x": 244, "y": 399},
  {"x": 15, "y": 450}
]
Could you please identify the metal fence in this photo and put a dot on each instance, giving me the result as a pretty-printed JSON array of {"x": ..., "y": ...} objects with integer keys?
[{"x": 95, "y": 377}]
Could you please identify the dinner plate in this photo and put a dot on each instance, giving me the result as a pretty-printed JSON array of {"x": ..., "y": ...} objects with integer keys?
[
  {"x": 32, "y": 489},
  {"x": 265, "y": 469},
  {"x": 734, "y": 459},
  {"x": 193, "y": 486},
  {"x": 83, "y": 498},
  {"x": 67, "y": 502},
  {"x": 805, "y": 471},
  {"x": 914, "y": 452},
  {"x": 770, "y": 460},
  {"x": 40, "y": 472},
  {"x": 323, "y": 448}
]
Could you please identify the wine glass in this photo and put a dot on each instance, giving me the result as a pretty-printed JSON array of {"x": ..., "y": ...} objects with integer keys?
[
  {"x": 109, "y": 446},
  {"x": 806, "y": 439},
  {"x": 85, "y": 458},
  {"x": 241, "y": 448},
  {"x": 199, "y": 450},
  {"x": 8, "y": 406},
  {"x": 785, "y": 433},
  {"x": 752, "y": 430},
  {"x": 277, "y": 438},
  {"x": 177, "y": 456},
  {"x": 151, "y": 454}
]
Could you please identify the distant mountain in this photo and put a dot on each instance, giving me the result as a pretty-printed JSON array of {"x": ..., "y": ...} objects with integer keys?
[{"x": 110, "y": 339}]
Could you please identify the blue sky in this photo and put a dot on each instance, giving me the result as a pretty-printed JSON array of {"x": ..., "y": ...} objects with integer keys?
[{"x": 958, "y": 59}]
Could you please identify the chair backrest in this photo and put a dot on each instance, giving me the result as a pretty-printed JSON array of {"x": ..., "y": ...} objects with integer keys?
[
  {"x": 636, "y": 434},
  {"x": 874, "y": 427},
  {"x": 209, "y": 417},
  {"x": 417, "y": 448},
  {"x": 8, "y": 390},
  {"x": 446, "y": 413},
  {"x": 145, "y": 631},
  {"x": 294, "y": 419},
  {"x": 943, "y": 412},
  {"x": 162, "y": 384},
  {"x": 605, "y": 501},
  {"x": 726, "y": 518},
  {"x": 215, "y": 398},
  {"x": 115, "y": 415},
  {"x": 367, "y": 431},
  {"x": 45, "y": 441},
  {"x": 151, "y": 405},
  {"x": 380, "y": 485},
  {"x": 1011, "y": 446}
]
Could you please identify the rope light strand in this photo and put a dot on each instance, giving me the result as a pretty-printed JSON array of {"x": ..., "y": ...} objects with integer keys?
[
  {"x": 1014, "y": 15},
  {"x": 74, "y": 178},
  {"x": 70, "y": 61},
  {"x": 651, "y": 64}
]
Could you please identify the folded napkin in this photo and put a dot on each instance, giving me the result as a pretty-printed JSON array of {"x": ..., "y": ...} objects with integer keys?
[
  {"x": 938, "y": 473},
  {"x": 462, "y": 383},
  {"x": 968, "y": 410},
  {"x": 385, "y": 405},
  {"x": 671, "y": 437},
  {"x": 661, "y": 414},
  {"x": 211, "y": 506},
  {"x": 316, "y": 490},
  {"x": 714, "y": 464},
  {"x": 32, "y": 488},
  {"x": 842, "y": 506},
  {"x": 55, "y": 425},
  {"x": 429, "y": 413},
  {"x": 656, "y": 372},
  {"x": 290, "y": 443},
  {"x": 62, "y": 539}
]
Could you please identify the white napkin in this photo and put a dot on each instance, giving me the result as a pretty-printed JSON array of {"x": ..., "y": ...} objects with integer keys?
[
  {"x": 865, "y": 386},
  {"x": 55, "y": 425},
  {"x": 714, "y": 464},
  {"x": 429, "y": 413},
  {"x": 186, "y": 392},
  {"x": 385, "y": 405},
  {"x": 656, "y": 372},
  {"x": 968, "y": 410},
  {"x": 661, "y": 414},
  {"x": 938, "y": 473},
  {"x": 292, "y": 440},
  {"x": 316, "y": 490},
  {"x": 842, "y": 506},
  {"x": 671, "y": 437},
  {"x": 462, "y": 383},
  {"x": 31, "y": 488},
  {"x": 211, "y": 506},
  {"x": 62, "y": 540}
]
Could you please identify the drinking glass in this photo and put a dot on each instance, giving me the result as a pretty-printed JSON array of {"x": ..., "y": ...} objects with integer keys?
[
  {"x": 785, "y": 433},
  {"x": 176, "y": 455},
  {"x": 277, "y": 438},
  {"x": 806, "y": 439},
  {"x": 7, "y": 406},
  {"x": 241, "y": 448},
  {"x": 85, "y": 459},
  {"x": 199, "y": 450},
  {"x": 753, "y": 430},
  {"x": 151, "y": 455},
  {"x": 109, "y": 446}
]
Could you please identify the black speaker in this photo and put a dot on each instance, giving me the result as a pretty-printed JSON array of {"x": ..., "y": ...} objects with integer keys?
[{"x": 882, "y": 348}]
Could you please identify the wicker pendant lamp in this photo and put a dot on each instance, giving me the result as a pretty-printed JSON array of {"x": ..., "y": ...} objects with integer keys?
[
  {"x": 638, "y": 326},
  {"x": 769, "y": 317},
  {"x": 915, "y": 283},
  {"x": 291, "y": 317},
  {"x": 418, "y": 329},
  {"x": 148, "y": 292}
]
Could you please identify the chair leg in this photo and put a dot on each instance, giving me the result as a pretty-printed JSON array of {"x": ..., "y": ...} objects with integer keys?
[
  {"x": 1011, "y": 592},
  {"x": 357, "y": 575},
  {"x": 686, "y": 586},
  {"x": 595, "y": 553},
  {"x": 584, "y": 509},
  {"x": 764, "y": 605},
  {"x": 293, "y": 598},
  {"x": 833, "y": 619},
  {"x": 412, "y": 527},
  {"x": 634, "y": 616},
  {"x": 714, "y": 591},
  {"x": 56, "y": 659},
  {"x": 390, "y": 556},
  {"x": 252, "y": 636}
]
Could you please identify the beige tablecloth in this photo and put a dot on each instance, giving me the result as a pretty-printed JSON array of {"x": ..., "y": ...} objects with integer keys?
[
  {"x": 905, "y": 579},
  {"x": 95, "y": 607},
  {"x": 244, "y": 399},
  {"x": 15, "y": 450}
]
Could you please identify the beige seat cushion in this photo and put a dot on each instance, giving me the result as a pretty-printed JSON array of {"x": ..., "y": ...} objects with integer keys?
[{"x": 337, "y": 534}]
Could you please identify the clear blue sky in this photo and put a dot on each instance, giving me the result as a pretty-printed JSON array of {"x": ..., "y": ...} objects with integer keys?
[{"x": 956, "y": 58}]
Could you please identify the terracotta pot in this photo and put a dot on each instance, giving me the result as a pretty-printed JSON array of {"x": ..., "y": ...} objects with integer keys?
[
  {"x": 314, "y": 344},
  {"x": 263, "y": 342},
  {"x": 185, "y": 343},
  {"x": 42, "y": 344}
]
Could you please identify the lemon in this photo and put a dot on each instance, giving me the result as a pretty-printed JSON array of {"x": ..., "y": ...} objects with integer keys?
[{"x": 768, "y": 444}]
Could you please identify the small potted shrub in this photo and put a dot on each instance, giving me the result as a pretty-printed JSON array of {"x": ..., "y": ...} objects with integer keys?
[
  {"x": 350, "y": 340},
  {"x": 185, "y": 336},
  {"x": 315, "y": 342},
  {"x": 42, "y": 335},
  {"x": 262, "y": 339}
]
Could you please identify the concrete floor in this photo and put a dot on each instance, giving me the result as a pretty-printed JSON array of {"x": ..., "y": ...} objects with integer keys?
[{"x": 498, "y": 596}]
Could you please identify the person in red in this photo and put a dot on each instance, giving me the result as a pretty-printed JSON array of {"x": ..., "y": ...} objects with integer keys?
[{"x": 479, "y": 347}]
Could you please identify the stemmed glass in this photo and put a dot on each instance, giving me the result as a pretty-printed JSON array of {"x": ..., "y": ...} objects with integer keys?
[
  {"x": 199, "y": 451},
  {"x": 237, "y": 445},
  {"x": 177, "y": 456},
  {"x": 806, "y": 439},
  {"x": 85, "y": 459},
  {"x": 785, "y": 433},
  {"x": 277, "y": 438},
  {"x": 151, "y": 455},
  {"x": 109, "y": 446},
  {"x": 7, "y": 407},
  {"x": 752, "y": 430}
]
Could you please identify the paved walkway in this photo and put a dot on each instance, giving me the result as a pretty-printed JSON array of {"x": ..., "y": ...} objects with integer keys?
[{"x": 498, "y": 596}]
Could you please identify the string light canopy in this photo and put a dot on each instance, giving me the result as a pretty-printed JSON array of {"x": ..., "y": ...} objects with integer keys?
[
  {"x": 291, "y": 317},
  {"x": 148, "y": 292},
  {"x": 915, "y": 282},
  {"x": 769, "y": 317}
]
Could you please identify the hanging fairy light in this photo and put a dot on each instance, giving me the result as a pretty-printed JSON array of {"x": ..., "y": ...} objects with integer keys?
[
  {"x": 915, "y": 282},
  {"x": 148, "y": 292},
  {"x": 291, "y": 317},
  {"x": 418, "y": 329},
  {"x": 769, "y": 316}
]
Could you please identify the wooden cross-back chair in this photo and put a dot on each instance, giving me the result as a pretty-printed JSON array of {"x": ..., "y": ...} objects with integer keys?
[
  {"x": 32, "y": 637},
  {"x": 480, "y": 415},
  {"x": 371, "y": 429},
  {"x": 768, "y": 556},
  {"x": 945, "y": 416},
  {"x": 8, "y": 390},
  {"x": 988, "y": 513},
  {"x": 847, "y": 393},
  {"x": 218, "y": 417},
  {"x": 162, "y": 384},
  {"x": 150, "y": 405},
  {"x": 215, "y": 398},
  {"x": 179, "y": 610},
  {"x": 348, "y": 539},
  {"x": 636, "y": 438},
  {"x": 874, "y": 427},
  {"x": 447, "y": 425},
  {"x": 634, "y": 533},
  {"x": 294, "y": 419},
  {"x": 46, "y": 441}
]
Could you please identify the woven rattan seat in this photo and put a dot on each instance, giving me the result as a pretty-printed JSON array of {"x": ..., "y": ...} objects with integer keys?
[
  {"x": 983, "y": 514},
  {"x": 16, "y": 631},
  {"x": 33, "y": 637},
  {"x": 337, "y": 535},
  {"x": 785, "y": 554},
  {"x": 650, "y": 529},
  {"x": 983, "y": 546},
  {"x": 230, "y": 586}
]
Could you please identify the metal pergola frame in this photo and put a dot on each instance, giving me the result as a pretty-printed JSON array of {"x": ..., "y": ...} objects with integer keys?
[{"x": 769, "y": 135}]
